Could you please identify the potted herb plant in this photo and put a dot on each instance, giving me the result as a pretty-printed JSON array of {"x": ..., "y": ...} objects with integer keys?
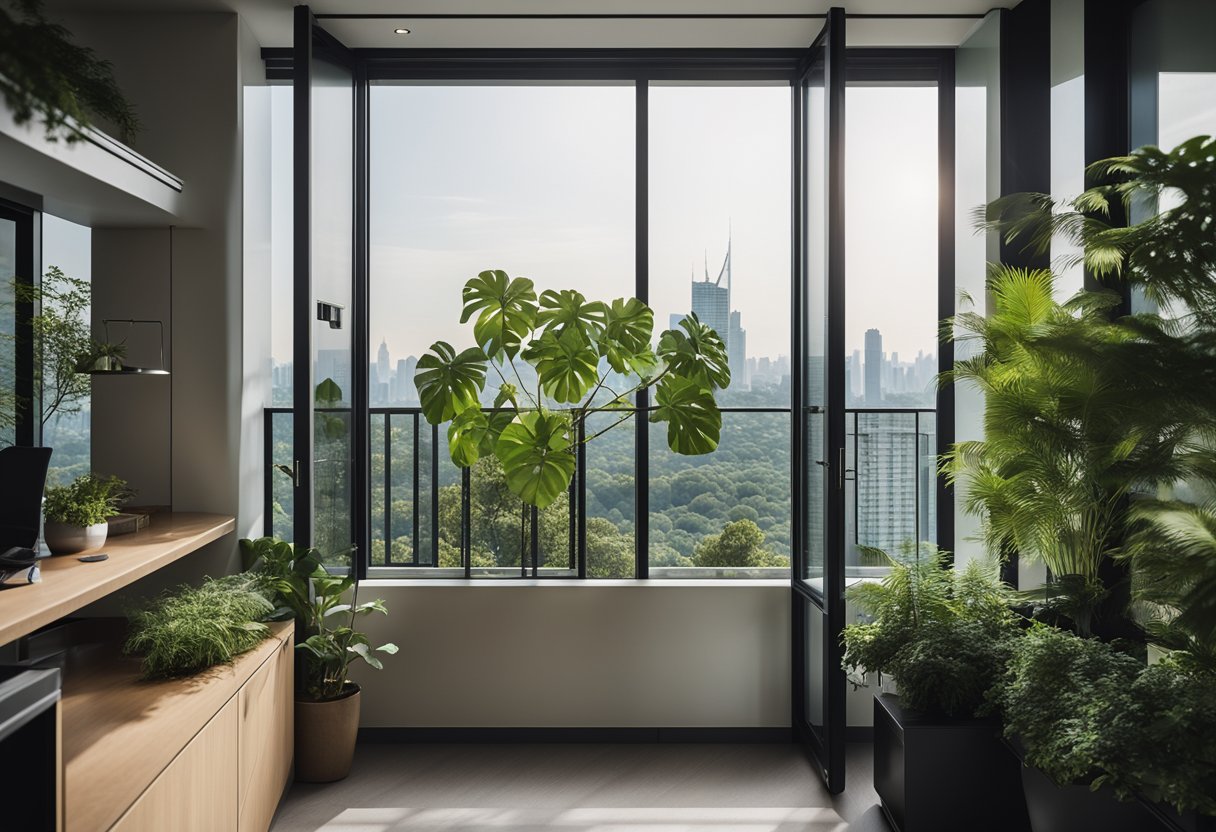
[
  {"x": 943, "y": 636},
  {"x": 76, "y": 513},
  {"x": 326, "y": 610}
]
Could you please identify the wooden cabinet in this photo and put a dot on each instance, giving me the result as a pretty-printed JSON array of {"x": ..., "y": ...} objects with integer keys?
[
  {"x": 265, "y": 739},
  {"x": 198, "y": 791},
  {"x": 209, "y": 753}
]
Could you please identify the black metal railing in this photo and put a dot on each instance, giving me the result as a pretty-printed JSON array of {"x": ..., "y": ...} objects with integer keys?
[{"x": 890, "y": 469}]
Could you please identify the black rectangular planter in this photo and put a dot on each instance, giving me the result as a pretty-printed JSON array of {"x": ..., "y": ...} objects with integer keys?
[
  {"x": 935, "y": 774},
  {"x": 1055, "y": 808}
]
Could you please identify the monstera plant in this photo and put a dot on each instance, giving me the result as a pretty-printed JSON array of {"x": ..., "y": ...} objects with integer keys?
[{"x": 578, "y": 350}]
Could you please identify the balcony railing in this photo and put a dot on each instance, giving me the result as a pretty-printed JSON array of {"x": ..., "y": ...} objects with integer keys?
[{"x": 428, "y": 515}]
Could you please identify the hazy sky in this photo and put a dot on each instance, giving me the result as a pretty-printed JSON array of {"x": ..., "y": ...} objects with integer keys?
[{"x": 539, "y": 181}]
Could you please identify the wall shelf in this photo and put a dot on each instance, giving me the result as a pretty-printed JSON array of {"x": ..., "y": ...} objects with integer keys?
[
  {"x": 67, "y": 584},
  {"x": 98, "y": 181}
]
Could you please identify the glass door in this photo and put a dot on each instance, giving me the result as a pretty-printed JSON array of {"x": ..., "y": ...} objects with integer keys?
[
  {"x": 323, "y": 353},
  {"x": 819, "y": 418}
]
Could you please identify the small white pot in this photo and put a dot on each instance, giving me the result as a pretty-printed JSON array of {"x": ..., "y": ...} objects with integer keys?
[{"x": 66, "y": 539}]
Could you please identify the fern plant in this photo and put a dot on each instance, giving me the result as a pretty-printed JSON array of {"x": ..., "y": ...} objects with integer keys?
[
  {"x": 193, "y": 628},
  {"x": 942, "y": 634}
]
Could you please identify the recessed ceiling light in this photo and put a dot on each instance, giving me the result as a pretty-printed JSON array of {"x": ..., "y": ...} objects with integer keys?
[{"x": 401, "y": 31}]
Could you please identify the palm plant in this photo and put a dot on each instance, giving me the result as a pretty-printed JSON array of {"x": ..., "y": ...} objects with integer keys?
[
  {"x": 1173, "y": 545},
  {"x": 574, "y": 346},
  {"x": 1085, "y": 407}
]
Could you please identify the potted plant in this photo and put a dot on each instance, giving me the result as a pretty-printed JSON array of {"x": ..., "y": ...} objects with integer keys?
[
  {"x": 76, "y": 513},
  {"x": 943, "y": 636},
  {"x": 326, "y": 610},
  {"x": 1093, "y": 418},
  {"x": 1109, "y": 743},
  {"x": 577, "y": 350}
]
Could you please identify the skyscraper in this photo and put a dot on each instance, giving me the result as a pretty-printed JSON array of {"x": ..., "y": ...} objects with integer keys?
[
  {"x": 736, "y": 350},
  {"x": 711, "y": 305},
  {"x": 873, "y": 369},
  {"x": 382, "y": 366}
]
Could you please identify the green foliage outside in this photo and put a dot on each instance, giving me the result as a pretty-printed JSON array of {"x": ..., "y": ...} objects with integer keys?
[
  {"x": 193, "y": 628},
  {"x": 88, "y": 500},
  {"x": 575, "y": 346},
  {"x": 44, "y": 76}
]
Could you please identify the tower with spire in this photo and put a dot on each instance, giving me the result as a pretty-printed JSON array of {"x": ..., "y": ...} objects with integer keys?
[{"x": 711, "y": 302}]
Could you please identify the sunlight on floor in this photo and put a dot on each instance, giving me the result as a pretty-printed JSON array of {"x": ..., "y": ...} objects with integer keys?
[{"x": 658, "y": 819}]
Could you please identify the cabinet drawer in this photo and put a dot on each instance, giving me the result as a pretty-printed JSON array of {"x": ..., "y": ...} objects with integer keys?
[
  {"x": 265, "y": 738},
  {"x": 198, "y": 790}
]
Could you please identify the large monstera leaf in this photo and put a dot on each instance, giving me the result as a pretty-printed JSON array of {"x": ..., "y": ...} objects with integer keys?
[
  {"x": 537, "y": 457},
  {"x": 473, "y": 434},
  {"x": 697, "y": 353},
  {"x": 694, "y": 423},
  {"x": 568, "y": 311},
  {"x": 567, "y": 366},
  {"x": 625, "y": 342},
  {"x": 449, "y": 383},
  {"x": 505, "y": 310}
]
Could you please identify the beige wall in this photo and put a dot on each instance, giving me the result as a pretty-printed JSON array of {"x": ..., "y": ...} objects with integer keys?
[{"x": 661, "y": 654}]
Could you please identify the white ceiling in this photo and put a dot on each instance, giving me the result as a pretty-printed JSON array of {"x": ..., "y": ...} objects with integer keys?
[{"x": 270, "y": 21}]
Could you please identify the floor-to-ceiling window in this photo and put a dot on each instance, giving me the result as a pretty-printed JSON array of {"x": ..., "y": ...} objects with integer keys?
[
  {"x": 533, "y": 179},
  {"x": 719, "y": 187},
  {"x": 891, "y": 318},
  {"x": 66, "y": 246},
  {"x": 541, "y": 179}
]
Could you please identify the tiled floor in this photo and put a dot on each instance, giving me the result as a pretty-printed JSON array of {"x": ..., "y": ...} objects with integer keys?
[{"x": 585, "y": 788}]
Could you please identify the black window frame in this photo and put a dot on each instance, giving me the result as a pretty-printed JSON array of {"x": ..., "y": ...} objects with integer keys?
[{"x": 641, "y": 67}]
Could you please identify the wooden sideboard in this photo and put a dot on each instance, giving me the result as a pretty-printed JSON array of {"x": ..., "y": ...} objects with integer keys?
[{"x": 205, "y": 753}]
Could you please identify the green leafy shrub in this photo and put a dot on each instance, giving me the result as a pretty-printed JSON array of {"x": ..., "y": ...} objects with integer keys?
[
  {"x": 303, "y": 588},
  {"x": 193, "y": 628},
  {"x": 943, "y": 635},
  {"x": 87, "y": 500},
  {"x": 1087, "y": 713}
]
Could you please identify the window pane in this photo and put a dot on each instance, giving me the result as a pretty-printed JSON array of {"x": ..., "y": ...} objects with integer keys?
[
  {"x": 720, "y": 226},
  {"x": 68, "y": 246},
  {"x": 8, "y": 330},
  {"x": 891, "y": 321},
  {"x": 535, "y": 180},
  {"x": 724, "y": 514}
]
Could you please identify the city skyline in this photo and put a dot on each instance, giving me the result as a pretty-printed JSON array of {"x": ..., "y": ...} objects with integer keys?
[{"x": 871, "y": 377}]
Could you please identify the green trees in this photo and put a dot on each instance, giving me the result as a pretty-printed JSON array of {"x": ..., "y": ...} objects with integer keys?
[{"x": 740, "y": 544}]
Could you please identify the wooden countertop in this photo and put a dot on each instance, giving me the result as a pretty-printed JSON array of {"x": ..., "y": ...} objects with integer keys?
[
  {"x": 67, "y": 584},
  {"x": 120, "y": 732}
]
